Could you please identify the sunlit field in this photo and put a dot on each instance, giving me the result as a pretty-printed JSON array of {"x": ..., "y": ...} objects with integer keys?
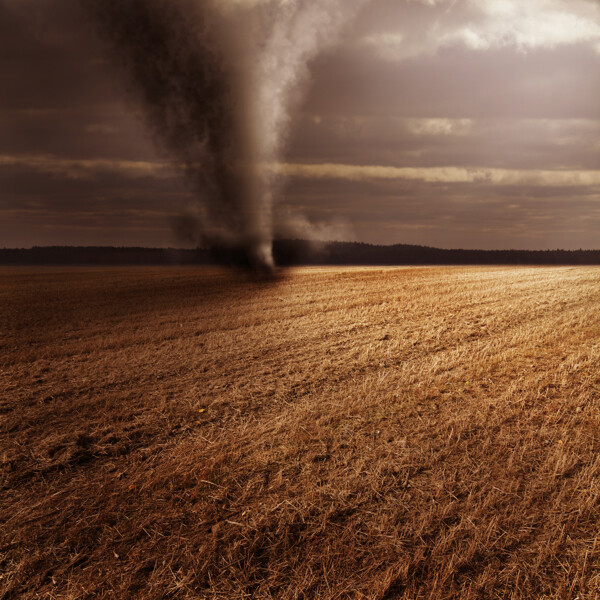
[{"x": 406, "y": 433}]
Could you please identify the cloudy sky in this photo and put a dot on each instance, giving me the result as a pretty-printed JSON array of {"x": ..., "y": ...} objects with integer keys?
[{"x": 450, "y": 123}]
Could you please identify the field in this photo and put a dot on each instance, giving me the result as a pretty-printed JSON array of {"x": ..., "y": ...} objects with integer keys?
[{"x": 410, "y": 433}]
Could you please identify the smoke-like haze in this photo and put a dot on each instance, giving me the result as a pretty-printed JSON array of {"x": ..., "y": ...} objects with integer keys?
[{"x": 218, "y": 81}]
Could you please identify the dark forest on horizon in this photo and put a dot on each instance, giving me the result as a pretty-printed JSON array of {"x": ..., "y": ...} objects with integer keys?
[{"x": 296, "y": 252}]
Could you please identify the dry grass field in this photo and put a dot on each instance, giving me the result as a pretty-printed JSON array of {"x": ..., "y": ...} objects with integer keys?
[{"x": 410, "y": 433}]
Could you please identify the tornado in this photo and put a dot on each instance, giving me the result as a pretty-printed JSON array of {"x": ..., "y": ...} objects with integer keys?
[{"x": 218, "y": 83}]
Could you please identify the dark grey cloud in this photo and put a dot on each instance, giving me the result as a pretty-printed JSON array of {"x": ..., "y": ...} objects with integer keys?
[
  {"x": 459, "y": 215},
  {"x": 461, "y": 83},
  {"x": 419, "y": 85},
  {"x": 421, "y": 142}
]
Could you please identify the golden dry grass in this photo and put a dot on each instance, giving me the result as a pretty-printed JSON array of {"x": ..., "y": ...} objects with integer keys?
[{"x": 415, "y": 433}]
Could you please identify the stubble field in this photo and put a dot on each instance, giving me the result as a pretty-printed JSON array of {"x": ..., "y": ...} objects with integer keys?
[{"x": 410, "y": 433}]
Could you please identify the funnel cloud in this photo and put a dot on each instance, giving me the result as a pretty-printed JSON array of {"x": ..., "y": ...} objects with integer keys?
[{"x": 218, "y": 83}]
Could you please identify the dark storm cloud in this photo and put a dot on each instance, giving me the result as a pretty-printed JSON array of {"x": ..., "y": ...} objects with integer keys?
[
  {"x": 89, "y": 206},
  {"x": 414, "y": 142},
  {"x": 103, "y": 132},
  {"x": 460, "y": 215},
  {"x": 470, "y": 84},
  {"x": 459, "y": 83},
  {"x": 49, "y": 60}
]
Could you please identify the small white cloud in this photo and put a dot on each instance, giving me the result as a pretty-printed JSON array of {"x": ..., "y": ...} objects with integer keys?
[
  {"x": 437, "y": 127},
  {"x": 471, "y": 38}
]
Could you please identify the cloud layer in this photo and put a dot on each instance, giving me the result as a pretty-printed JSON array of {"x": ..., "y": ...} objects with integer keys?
[
  {"x": 471, "y": 123},
  {"x": 483, "y": 25}
]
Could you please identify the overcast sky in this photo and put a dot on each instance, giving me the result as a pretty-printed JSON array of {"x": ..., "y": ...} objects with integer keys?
[{"x": 449, "y": 123}]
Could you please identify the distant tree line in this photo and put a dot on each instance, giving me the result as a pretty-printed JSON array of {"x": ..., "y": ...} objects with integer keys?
[
  {"x": 100, "y": 255},
  {"x": 355, "y": 253},
  {"x": 296, "y": 252}
]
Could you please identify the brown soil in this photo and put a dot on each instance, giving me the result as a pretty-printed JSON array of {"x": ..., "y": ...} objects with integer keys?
[{"x": 414, "y": 433}]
